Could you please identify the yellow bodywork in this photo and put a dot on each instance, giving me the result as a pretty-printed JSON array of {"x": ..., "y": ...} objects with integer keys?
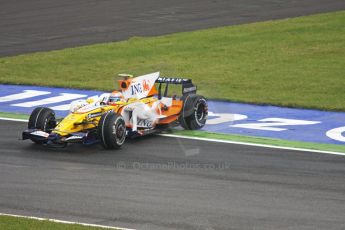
[
  {"x": 78, "y": 122},
  {"x": 81, "y": 122}
]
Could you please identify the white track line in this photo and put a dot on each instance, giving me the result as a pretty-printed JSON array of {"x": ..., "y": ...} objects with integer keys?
[
  {"x": 254, "y": 144},
  {"x": 65, "y": 222},
  {"x": 228, "y": 142},
  {"x": 13, "y": 119}
]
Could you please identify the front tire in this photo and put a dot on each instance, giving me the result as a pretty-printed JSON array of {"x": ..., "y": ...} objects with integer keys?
[
  {"x": 42, "y": 118},
  {"x": 111, "y": 130},
  {"x": 194, "y": 112}
]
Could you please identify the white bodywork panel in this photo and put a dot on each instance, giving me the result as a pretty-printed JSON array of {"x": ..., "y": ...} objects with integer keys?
[{"x": 140, "y": 86}]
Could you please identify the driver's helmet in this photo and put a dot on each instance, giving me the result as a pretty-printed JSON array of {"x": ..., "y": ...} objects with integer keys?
[{"x": 116, "y": 97}]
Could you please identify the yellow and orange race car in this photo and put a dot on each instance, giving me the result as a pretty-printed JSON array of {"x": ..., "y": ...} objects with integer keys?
[{"x": 138, "y": 108}]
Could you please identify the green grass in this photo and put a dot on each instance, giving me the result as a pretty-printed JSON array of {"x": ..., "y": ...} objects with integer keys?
[
  {"x": 297, "y": 62},
  {"x": 14, "y": 115},
  {"x": 15, "y": 223}
]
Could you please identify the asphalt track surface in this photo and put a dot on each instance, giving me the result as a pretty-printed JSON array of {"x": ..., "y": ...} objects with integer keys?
[
  {"x": 37, "y": 25},
  {"x": 167, "y": 183},
  {"x": 160, "y": 182}
]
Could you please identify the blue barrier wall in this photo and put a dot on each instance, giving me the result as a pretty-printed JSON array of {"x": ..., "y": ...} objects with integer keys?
[{"x": 225, "y": 117}]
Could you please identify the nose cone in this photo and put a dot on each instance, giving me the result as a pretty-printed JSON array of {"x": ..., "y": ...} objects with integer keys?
[{"x": 69, "y": 124}]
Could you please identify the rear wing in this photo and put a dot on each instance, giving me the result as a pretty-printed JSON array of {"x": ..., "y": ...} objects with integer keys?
[
  {"x": 173, "y": 80},
  {"x": 187, "y": 85}
]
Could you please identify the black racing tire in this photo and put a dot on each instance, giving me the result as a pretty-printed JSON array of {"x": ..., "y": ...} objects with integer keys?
[
  {"x": 111, "y": 130},
  {"x": 42, "y": 118},
  {"x": 194, "y": 112}
]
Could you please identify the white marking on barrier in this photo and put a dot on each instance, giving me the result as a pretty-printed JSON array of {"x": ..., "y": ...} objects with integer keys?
[
  {"x": 24, "y": 95},
  {"x": 51, "y": 100},
  {"x": 224, "y": 117},
  {"x": 336, "y": 134},
  {"x": 64, "y": 221},
  {"x": 274, "y": 122},
  {"x": 64, "y": 107}
]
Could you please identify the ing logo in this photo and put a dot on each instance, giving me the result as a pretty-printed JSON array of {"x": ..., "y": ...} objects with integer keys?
[
  {"x": 140, "y": 87},
  {"x": 146, "y": 85},
  {"x": 136, "y": 89}
]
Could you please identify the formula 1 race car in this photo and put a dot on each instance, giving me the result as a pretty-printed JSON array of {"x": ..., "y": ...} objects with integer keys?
[{"x": 138, "y": 108}]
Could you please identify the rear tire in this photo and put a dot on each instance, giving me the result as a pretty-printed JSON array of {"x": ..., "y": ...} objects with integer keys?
[
  {"x": 111, "y": 130},
  {"x": 194, "y": 112}
]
